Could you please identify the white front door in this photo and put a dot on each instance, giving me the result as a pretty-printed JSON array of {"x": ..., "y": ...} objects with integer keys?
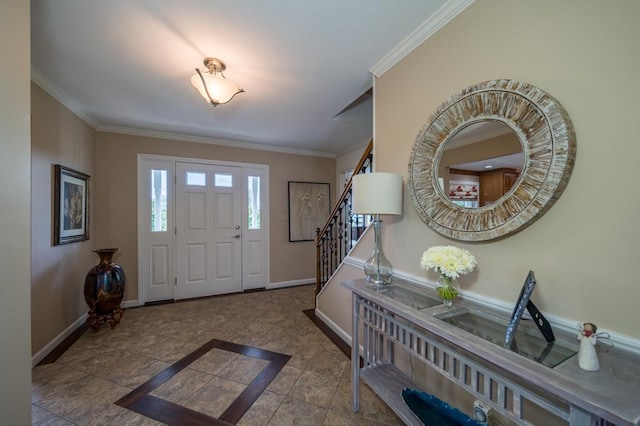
[
  {"x": 208, "y": 229},
  {"x": 203, "y": 227}
]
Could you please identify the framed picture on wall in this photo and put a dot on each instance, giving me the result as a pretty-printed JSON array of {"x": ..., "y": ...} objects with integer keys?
[
  {"x": 70, "y": 206},
  {"x": 309, "y": 206}
]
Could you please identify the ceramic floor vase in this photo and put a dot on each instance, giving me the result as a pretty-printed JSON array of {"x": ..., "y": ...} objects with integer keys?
[{"x": 104, "y": 289}]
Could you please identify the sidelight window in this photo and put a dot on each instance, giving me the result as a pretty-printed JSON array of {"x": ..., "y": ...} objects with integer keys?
[
  {"x": 253, "y": 201},
  {"x": 158, "y": 200}
]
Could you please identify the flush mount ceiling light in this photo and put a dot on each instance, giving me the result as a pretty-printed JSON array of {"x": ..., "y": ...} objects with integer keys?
[{"x": 213, "y": 85}]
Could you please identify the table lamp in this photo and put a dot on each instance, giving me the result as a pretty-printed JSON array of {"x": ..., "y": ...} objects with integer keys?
[{"x": 376, "y": 194}]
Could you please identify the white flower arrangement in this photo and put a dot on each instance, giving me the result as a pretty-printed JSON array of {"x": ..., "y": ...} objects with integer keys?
[{"x": 449, "y": 261}]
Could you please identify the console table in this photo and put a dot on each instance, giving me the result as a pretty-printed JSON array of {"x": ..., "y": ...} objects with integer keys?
[{"x": 410, "y": 318}]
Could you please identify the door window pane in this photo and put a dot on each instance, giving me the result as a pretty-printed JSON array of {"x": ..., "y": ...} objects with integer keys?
[
  {"x": 196, "y": 178},
  {"x": 224, "y": 180},
  {"x": 158, "y": 200},
  {"x": 253, "y": 195}
]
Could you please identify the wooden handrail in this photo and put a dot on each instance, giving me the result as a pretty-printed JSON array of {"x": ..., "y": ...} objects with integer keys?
[
  {"x": 330, "y": 249},
  {"x": 347, "y": 187}
]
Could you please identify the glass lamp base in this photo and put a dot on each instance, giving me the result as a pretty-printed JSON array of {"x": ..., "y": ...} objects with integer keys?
[
  {"x": 378, "y": 281},
  {"x": 377, "y": 268}
]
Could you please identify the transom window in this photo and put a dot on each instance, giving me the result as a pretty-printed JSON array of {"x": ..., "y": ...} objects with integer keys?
[
  {"x": 196, "y": 179},
  {"x": 223, "y": 180}
]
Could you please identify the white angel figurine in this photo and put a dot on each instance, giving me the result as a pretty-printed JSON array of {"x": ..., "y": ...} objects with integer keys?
[{"x": 587, "y": 356}]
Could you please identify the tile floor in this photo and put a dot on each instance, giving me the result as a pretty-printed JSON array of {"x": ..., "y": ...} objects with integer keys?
[{"x": 313, "y": 387}]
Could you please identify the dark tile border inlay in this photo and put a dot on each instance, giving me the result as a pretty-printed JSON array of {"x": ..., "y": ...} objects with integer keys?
[
  {"x": 57, "y": 352},
  {"x": 332, "y": 335},
  {"x": 344, "y": 347},
  {"x": 170, "y": 413}
]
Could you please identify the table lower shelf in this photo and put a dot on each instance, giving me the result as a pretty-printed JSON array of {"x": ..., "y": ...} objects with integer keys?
[{"x": 387, "y": 381}]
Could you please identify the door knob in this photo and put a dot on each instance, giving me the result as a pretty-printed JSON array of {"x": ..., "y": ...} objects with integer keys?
[{"x": 237, "y": 236}]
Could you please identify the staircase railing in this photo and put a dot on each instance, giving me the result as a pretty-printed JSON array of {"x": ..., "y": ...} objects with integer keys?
[{"x": 342, "y": 229}]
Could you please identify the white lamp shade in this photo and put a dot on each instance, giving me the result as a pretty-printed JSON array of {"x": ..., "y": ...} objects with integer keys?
[
  {"x": 220, "y": 89},
  {"x": 377, "y": 193}
]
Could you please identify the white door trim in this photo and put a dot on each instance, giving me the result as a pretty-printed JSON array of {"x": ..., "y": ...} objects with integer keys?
[{"x": 247, "y": 169}]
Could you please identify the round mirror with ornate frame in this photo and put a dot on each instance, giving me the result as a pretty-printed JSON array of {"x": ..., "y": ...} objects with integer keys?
[{"x": 548, "y": 147}]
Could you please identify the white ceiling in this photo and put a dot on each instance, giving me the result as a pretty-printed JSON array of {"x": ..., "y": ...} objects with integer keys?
[{"x": 125, "y": 65}]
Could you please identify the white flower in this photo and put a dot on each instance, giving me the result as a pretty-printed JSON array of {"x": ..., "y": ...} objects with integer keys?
[{"x": 449, "y": 261}]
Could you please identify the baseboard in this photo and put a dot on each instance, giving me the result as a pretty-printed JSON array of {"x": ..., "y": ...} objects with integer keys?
[
  {"x": 333, "y": 326},
  {"x": 293, "y": 283},
  {"x": 130, "y": 303},
  {"x": 58, "y": 340}
]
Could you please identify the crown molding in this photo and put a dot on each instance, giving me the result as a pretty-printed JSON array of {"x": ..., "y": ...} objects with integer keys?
[
  {"x": 211, "y": 141},
  {"x": 439, "y": 19},
  {"x": 38, "y": 78},
  {"x": 359, "y": 147}
]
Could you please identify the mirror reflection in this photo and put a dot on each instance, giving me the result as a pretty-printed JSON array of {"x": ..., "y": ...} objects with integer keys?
[{"x": 480, "y": 164}]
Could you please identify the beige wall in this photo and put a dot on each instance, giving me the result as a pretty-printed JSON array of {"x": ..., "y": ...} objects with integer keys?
[
  {"x": 15, "y": 369},
  {"x": 346, "y": 162},
  {"x": 584, "y": 249},
  {"x": 57, "y": 272},
  {"x": 116, "y": 197}
]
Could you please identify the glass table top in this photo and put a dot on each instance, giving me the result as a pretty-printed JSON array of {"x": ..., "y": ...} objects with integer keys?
[
  {"x": 528, "y": 340},
  {"x": 408, "y": 296}
]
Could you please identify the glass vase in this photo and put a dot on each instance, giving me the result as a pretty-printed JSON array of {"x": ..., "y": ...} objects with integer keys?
[{"x": 448, "y": 289}]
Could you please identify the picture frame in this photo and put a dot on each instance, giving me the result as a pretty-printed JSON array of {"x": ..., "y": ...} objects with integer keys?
[
  {"x": 309, "y": 208},
  {"x": 70, "y": 206}
]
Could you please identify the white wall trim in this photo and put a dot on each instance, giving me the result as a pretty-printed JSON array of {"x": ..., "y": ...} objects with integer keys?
[
  {"x": 333, "y": 326},
  {"x": 57, "y": 93},
  {"x": 439, "y": 19},
  {"x": 69, "y": 330},
  {"x": 210, "y": 141},
  {"x": 142, "y": 291},
  {"x": 559, "y": 323},
  {"x": 134, "y": 303},
  {"x": 283, "y": 284},
  {"x": 353, "y": 262},
  {"x": 39, "y": 356},
  {"x": 76, "y": 108},
  {"x": 142, "y": 158}
]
